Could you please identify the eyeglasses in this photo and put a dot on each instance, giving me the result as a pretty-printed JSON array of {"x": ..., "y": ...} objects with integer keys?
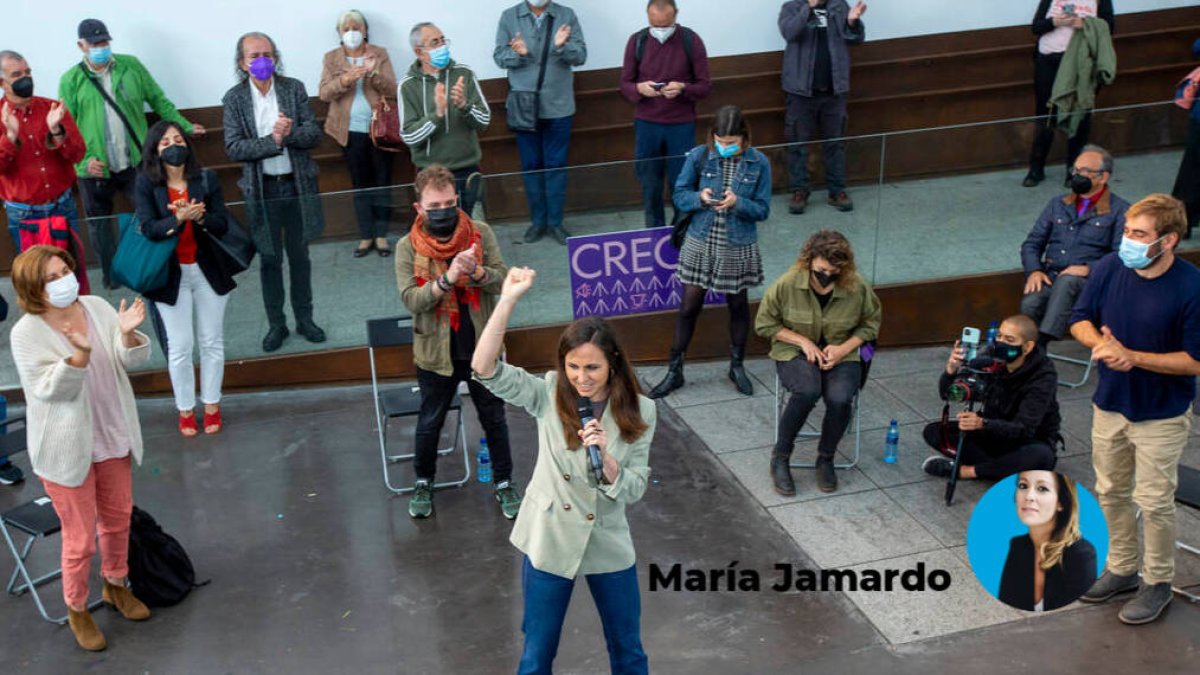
[
  {"x": 1085, "y": 171},
  {"x": 438, "y": 42}
]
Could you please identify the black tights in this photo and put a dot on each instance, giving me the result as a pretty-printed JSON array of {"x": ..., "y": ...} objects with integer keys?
[{"x": 689, "y": 312}]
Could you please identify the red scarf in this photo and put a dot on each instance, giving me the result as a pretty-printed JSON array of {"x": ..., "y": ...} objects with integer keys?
[{"x": 432, "y": 259}]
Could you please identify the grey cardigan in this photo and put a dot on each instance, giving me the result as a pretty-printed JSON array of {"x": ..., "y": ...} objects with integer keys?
[
  {"x": 558, "y": 90},
  {"x": 243, "y": 144},
  {"x": 800, "y": 55}
]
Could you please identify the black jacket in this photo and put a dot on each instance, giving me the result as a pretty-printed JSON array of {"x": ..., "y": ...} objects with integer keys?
[
  {"x": 1065, "y": 582},
  {"x": 1021, "y": 406},
  {"x": 159, "y": 223}
]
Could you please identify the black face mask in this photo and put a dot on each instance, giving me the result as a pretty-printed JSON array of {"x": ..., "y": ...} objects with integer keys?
[
  {"x": 175, "y": 155},
  {"x": 825, "y": 278},
  {"x": 441, "y": 223},
  {"x": 1006, "y": 352},
  {"x": 1080, "y": 184},
  {"x": 23, "y": 87}
]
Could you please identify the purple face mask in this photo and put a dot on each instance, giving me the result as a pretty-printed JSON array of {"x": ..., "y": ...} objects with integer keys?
[{"x": 262, "y": 68}]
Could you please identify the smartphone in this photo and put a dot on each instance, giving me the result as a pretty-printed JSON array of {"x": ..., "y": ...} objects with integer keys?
[
  {"x": 1069, "y": 9},
  {"x": 658, "y": 85},
  {"x": 970, "y": 342},
  {"x": 712, "y": 201}
]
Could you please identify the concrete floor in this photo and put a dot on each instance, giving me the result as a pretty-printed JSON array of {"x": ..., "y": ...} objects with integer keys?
[{"x": 316, "y": 569}]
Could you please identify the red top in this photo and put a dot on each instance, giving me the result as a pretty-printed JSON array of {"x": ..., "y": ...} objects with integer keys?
[
  {"x": 186, "y": 250},
  {"x": 38, "y": 168}
]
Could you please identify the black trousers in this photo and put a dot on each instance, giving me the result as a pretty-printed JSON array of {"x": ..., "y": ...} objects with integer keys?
[
  {"x": 437, "y": 393},
  {"x": 1045, "y": 69},
  {"x": 286, "y": 225},
  {"x": 1187, "y": 181},
  {"x": 807, "y": 384},
  {"x": 466, "y": 197},
  {"x": 806, "y": 116},
  {"x": 369, "y": 168},
  {"x": 993, "y": 460},
  {"x": 98, "y": 195}
]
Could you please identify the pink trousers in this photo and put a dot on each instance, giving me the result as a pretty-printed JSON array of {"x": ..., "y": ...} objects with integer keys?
[{"x": 102, "y": 504}]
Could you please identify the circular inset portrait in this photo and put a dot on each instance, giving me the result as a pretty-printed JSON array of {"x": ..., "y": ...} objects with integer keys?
[{"x": 1037, "y": 540}]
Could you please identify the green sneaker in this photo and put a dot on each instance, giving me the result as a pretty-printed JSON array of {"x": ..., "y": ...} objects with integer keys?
[
  {"x": 421, "y": 503},
  {"x": 509, "y": 498}
]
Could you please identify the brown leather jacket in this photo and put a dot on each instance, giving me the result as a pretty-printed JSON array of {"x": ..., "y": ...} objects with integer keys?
[{"x": 380, "y": 82}]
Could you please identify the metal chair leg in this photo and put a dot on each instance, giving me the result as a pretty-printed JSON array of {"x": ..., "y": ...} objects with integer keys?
[
  {"x": 1180, "y": 591},
  {"x": 1087, "y": 370},
  {"x": 810, "y": 434}
]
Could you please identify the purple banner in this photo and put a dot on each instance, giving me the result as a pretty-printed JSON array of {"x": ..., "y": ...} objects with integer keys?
[{"x": 619, "y": 273}]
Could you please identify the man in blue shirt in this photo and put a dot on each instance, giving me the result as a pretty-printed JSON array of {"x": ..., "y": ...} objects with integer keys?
[{"x": 1140, "y": 315}]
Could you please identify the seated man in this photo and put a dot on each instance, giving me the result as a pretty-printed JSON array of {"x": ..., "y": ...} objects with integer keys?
[
  {"x": 1074, "y": 231},
  {"x": 1017, "y": 427}
]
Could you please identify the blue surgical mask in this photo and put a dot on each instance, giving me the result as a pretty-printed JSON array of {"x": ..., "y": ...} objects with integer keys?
[
  {"x": 100, "y": 55},
  {"x": 440, "y": 58},
  {"x": 727, "y": 150},
  {"x": 1133, "y": 253}
]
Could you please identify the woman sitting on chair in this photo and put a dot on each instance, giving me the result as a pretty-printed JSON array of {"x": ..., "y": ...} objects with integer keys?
[{"x": 817, "y": 315}]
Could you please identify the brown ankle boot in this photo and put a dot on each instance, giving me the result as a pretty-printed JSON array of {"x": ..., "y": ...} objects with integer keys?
[
  {"x": 123, "y": 600},
  {"x": 86, "y": 633}
]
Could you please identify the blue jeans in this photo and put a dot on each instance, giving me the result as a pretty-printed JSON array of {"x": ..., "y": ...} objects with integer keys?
[
  {"x": 660, "y": 150},
  {"x": 545, "y": 148},
  {"x": 618, "y": 600},
  {"x": 63, "y": 206}
]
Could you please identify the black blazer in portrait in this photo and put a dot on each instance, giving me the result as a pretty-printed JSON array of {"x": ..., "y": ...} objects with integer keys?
[{"x": 1065, "y": 582}]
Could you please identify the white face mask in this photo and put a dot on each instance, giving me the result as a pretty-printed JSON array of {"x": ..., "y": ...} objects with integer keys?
[
  {"x": 662, "y": 34},
  {"x": 62, "y": 292},
  {"x": 353, "y": 39}
]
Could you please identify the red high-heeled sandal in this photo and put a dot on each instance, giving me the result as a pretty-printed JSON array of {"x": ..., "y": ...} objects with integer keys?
[
  {"x": 187, "y": 423},
  {"x": 212, "y": 420}
]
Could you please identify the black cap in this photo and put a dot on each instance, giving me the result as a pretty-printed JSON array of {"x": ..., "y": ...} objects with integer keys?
[{"x": 93, "y": 30}]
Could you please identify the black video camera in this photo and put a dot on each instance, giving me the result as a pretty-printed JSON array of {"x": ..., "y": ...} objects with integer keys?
[{"x": 974, "y": 378}]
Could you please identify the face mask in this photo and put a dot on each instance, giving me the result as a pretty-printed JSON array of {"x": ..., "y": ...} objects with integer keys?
[
  {"x": 727, "y": 150},
  {"x": 825, "y": 278},
  {"x": 262, "y": 68},
  {"x": 1133, "y": 253},
  {"x": 1080, "y": 184},
  {"x": 353, "y": 39},
  {"x": 100, "y": 55},
  {"x": 662, "y": 34},
  {"x": 1002, "y": 351},
  {"x": 23, "y": 87},
  {"x": 175, "y": 155},
  {"x": 441, "y": 223},
  {"x": 440, "y": 58},
  {"x": 62, "y": 292}
]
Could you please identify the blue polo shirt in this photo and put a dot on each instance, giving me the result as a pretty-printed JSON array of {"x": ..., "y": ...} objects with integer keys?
[{"x": 1160, "y": 315}]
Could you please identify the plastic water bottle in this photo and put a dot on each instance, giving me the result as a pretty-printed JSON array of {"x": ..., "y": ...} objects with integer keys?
[
  {"x": 892, "y": 445},
  {"x": 484, "y": 460},
  {"x": 993, "y": 328}
]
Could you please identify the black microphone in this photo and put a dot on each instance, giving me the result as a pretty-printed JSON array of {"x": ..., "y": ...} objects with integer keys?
[{"x": 584, "y": 408}]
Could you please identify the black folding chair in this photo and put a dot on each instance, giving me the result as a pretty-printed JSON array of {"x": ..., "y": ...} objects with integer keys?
[
  {"x": 35, "y": 520},
  {"x": 405, "y": 401}
]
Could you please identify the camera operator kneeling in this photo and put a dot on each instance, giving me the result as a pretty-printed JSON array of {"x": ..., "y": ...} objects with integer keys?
[{"x": 1018, "y": 426}]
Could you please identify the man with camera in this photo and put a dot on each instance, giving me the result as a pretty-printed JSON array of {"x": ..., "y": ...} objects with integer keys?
[
  {"x": 1017, "y": 427},
  {"x": 1073, "y": 232}
]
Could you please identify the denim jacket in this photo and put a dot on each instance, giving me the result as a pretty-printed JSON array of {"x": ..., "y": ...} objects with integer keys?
[{"x": 751, "y": 184}]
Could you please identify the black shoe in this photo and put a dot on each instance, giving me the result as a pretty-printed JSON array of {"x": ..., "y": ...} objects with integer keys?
[
  {"x": 1108, "y": 585},
  {"x": 938, "y": 466},
  {"x": 826, "y": 475},
  {"x": 361, "y": 251},
  {"x": 10, "y": 474},
  {"x": 560, "y": 234},
  {"x": 274, "y": 338},
  {"x": 1033, "y": 178},
  {"x": 673, "y": 379},
  {"x": 737, "y": 373},
  {"x": 311, "y": 331},
  {"x": 781, "y": 475},
  {"x": 534, "y": 234}
]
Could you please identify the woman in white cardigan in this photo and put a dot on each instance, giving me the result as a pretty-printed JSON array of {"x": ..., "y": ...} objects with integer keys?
[{"x": 72, "y": 354}]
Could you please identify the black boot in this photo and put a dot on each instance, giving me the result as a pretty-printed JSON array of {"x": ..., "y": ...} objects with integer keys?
[
  {"x": 826, "y": 475},
  {"x": 737, "y": 373},
  {"x": 674, "y": 377},
  {"x": 781, "y": 475}
]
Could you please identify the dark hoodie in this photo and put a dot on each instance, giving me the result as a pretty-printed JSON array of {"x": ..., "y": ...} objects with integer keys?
[
  {"x": 452, "y": 140},
  {"x": 1021, "y": 406}
]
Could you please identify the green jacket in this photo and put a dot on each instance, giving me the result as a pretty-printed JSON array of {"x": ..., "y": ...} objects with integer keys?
[
  {"x": 133, "y": 88},
  {"x": 431, "y": 338},
  {"x": 451, "y": 140},
  {"x": 853, "y": 311},
  {"x": 1089, "y": 62}
]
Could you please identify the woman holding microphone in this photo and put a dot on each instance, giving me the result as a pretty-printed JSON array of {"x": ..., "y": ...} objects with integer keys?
[{"x": 572, "y": 524}]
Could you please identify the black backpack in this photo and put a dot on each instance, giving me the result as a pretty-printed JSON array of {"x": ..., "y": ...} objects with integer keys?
[{"x": 160, "y": 572}]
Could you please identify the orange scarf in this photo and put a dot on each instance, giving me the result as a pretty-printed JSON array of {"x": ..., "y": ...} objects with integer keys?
[{"x": 432, "y": 259}]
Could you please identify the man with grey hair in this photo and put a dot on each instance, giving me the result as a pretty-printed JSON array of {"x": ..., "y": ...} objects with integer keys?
[
  {"x": 1073, "y": 232},
  {"x": 270, "y": 128},
  {"x": 442, "y": 111}
]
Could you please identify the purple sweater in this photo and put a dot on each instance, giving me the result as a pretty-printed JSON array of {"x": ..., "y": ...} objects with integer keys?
[{"x": 666, "y": 62}]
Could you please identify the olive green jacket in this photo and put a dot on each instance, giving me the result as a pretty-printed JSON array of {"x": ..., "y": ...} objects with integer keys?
[
  {"x": 569, "y": 525},
  {"x": 790, "y": 303},
  {"x": 431, "y": 338}
]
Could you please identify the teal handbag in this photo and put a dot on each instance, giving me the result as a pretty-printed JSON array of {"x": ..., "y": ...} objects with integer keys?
[{"x": 141, "y": 263}]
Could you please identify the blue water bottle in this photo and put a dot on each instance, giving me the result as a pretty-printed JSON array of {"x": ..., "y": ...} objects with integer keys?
[
  {"x": 993, "y": 328},
  {"x": 484, "y": 460},
  {"x": 892, "y": 445}
]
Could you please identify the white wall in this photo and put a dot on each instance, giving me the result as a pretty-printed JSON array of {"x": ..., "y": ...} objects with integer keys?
[{"x": 189, "y": 46}]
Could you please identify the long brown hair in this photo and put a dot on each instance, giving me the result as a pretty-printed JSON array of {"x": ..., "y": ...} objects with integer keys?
[
  {"x": 835, "y": 248},
  {"x": 1066, "y": 523},
  {"x": 623, "y": 388}
]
